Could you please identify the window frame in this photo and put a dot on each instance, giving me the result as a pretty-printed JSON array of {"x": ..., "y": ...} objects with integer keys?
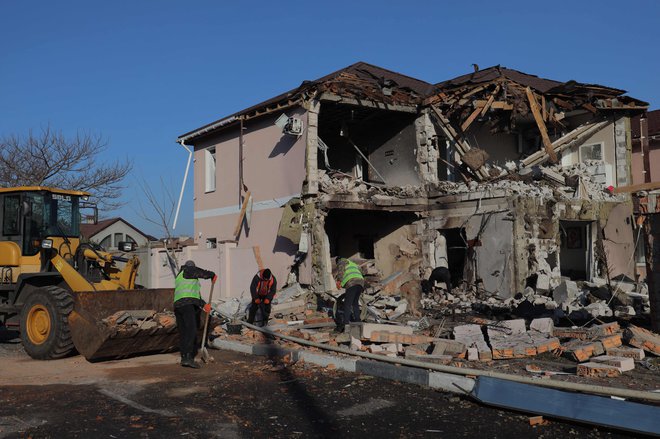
[{"x": 210, "y": 169}]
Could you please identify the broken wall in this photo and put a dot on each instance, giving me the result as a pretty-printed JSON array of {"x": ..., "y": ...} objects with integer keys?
[
  {"x": 618, "y": 240},
  {"x": 488, "y": 229},
  {"x": 605, "y": 173},
  {"x": 273, "y": 171},
  {"x": 501, "y": 147},
  {"x": 386, "y": 138}
]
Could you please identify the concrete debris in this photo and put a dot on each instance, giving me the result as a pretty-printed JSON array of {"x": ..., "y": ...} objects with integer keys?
[
  {"x": 643, "y": 338},
  {"x": 140, "y": 319}
]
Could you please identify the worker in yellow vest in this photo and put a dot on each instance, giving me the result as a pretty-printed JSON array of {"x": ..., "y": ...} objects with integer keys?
[
  {"x": 187, "y": 305},
  {"x": 350, "y": 277}
]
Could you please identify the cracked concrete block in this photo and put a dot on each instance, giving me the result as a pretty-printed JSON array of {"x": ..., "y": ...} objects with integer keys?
[
  {"x": 544, "y": 325},
  {"x": 543, "y": 283},
  {"x": 624, "y": 364},
  {"x": 566, "y": 292},
  {"x": 448, "y": 347},
  {"x": 628, "y": 352},
  {"x": 363, "y": 330},
  {"x": 468, "y": 330},
  {"x": 599, "y": 309},
  {"x": 356, "y": 344}
]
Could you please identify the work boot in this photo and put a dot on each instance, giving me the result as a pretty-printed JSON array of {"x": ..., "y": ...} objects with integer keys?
[
  {"x": 189, "y": 361},
  {"x": 339, "y": 329}
]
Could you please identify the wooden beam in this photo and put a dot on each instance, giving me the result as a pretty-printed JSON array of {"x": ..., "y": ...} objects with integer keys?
[
  {"x": 490, "y": 100},
  {"x": 470, "y": 119},
  {"x": 257, "y": 256},
  {"x": 573, "y": 138},
  {"x": 241, "y": 215},
  {"x": 564, "y": 104},
  {"x": 496, "y": 105},
  {"x": 461, "y": 145},
  {"x": 590, "y": 107},
  {"x": 533, "y": 104},
  {"x": 544, "y": 111},
  {"x": 637, "y": 187}
]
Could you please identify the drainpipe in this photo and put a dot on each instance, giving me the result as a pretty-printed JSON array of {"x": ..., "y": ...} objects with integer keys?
[{"x": 183, "y": 185}]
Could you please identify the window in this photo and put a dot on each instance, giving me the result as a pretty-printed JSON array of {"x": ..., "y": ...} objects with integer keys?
[
  {"x": 11, "y": 217},
  {"x": 211, "y": 243},
  {"x": 209, "y": 160},
  {"x": 129, "y": 238},
  {"x": 106, "y": 242},
  {"x": 591, "y": 152}
]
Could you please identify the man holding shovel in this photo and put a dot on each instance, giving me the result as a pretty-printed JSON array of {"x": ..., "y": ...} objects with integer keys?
[{"x": 187, "y": 304}]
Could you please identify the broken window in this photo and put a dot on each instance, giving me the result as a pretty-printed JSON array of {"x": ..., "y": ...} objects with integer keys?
[{"x": 591, "y": 152}]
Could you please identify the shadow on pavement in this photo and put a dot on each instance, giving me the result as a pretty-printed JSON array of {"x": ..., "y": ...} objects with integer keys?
[{"x": 323, "y": 425}]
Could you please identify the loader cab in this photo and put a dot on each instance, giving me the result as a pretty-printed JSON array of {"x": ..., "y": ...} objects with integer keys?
[{"x": 28, "y": 215}]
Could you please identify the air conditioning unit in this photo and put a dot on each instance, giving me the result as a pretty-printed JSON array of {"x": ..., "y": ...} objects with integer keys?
[{"x": 290, "y": 125}]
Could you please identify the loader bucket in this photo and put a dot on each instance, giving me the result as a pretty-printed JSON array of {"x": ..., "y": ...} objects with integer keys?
[{"x": 114, "y": 324}]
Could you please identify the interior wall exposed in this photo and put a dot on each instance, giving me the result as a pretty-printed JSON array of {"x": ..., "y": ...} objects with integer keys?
[
  {"x": 386, "y": 138},
  {"x": 501, "y": 147},
  {"x": 387, "y": 236}
]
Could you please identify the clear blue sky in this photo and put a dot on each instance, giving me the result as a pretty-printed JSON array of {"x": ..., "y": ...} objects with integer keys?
[{"x": 143, "y": 72}]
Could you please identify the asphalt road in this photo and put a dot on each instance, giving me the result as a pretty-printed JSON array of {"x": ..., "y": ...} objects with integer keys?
[{"x": 237, "y": 396}]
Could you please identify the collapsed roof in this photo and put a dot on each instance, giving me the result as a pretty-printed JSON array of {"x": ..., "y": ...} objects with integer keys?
[{"x": 462, "y": 99}]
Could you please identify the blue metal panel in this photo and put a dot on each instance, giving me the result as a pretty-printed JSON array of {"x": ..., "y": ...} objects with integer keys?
[{"x": 591, "y": 409}]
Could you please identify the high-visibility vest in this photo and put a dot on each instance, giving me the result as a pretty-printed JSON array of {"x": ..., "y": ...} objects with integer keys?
[
  {"x": 263, "y": 286},
  {"x": 352, "y": 271},
  {"x": 186, "y": 287}
]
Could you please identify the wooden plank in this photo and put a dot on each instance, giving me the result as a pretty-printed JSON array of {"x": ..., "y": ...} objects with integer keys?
[
  {"x": 451, "y": 134},
  {"x": 241, "y": 215},
  {"x": 490, "y": 100},
  {"x": 590, "y": 107},
  {"x": 544, "y": 111},
  {"x": 533, "y": 104},
  {"x": 637, "y": 187},
  {"x": 470, "y": 119},
  {"x": 564, "y": 104},
  {"x": 496, "y": 105},
  {"x": 257, "y": 257},
  {"x": 578, "y": 135}
]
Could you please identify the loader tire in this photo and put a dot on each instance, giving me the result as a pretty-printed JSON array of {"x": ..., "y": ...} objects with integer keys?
[{"x": 45, "y": 323}]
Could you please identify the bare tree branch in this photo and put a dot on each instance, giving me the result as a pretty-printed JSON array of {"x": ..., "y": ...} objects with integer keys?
[
  {"x": 161, "y": 211},
  {"x": 48, "y": 158}
]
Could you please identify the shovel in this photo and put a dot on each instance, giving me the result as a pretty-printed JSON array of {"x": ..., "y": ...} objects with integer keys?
[{"x": 206, "y": 357}]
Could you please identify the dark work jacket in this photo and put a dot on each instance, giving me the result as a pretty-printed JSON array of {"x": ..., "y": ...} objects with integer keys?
[
  {"x": 193, "y": 273},
  {"x": 255, "y": 283}
]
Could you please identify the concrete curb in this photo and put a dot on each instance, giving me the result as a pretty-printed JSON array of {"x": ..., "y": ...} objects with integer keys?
[{"x": 406, "y": 374}]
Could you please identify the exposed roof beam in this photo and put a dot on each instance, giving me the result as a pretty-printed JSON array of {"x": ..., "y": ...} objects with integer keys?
[{"x": 538, "y": 117}]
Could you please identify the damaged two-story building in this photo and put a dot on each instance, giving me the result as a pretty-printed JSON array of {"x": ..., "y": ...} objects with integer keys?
[{"x": 500, "y": 175}]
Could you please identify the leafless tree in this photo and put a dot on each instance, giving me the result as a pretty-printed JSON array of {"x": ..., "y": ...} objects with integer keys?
[
  {"x": 49, "y": 158},
  {"x": 159, "y": 211}
]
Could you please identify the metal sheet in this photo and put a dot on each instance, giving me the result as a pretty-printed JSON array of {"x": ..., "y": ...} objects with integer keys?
[{"x": 590, "y": 409}]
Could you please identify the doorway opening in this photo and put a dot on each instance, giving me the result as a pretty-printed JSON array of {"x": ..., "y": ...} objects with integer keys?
[{"x": 575, "y": 250}]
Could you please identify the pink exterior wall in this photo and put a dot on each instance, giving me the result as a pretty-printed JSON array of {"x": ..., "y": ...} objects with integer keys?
[
  {"x": 274, "y": 171},
  {"x": 638, "y": 166}
]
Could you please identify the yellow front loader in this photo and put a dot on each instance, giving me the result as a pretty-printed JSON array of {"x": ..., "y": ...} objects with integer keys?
[{"x": 62, "y": 291}]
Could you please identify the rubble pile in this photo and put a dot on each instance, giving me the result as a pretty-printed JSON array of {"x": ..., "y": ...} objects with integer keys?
[
  {"x": 146, "y": 319},
  {"x": 597, "y": 349}
]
